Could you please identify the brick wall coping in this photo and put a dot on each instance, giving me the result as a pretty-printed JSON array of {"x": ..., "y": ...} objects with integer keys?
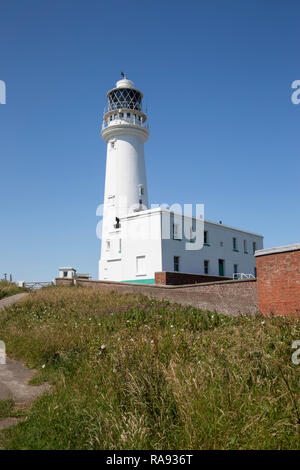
[
  {"x": 160, "y": 286},
  {"x": 278, "y": 249}
]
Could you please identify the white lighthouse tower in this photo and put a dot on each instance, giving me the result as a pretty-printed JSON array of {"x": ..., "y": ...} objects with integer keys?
[
  {"x": 125, "y": 131},
  {"x": 138, "y": 242}
]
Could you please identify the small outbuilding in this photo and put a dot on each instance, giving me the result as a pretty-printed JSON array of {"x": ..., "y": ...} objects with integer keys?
[{"x": 67, "y": 272}]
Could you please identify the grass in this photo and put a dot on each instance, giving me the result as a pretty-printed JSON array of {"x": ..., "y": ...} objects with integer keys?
[
  {"x": 133, "y": 373},
  {"x": 8, "y": 410},
  {"x": 9, "y": 288}
]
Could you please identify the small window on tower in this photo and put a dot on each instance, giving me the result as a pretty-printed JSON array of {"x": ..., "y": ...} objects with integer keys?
[
  {"x": 141, "y": 190},
  {"x": 254, "y": 247},
  {"x": 121, "y": 115},
  {"x": 108, "y": 244},
  {"x": 128, "y": 115},
  {"x": 65, "y": 273},
  {"x": 176, "y": 263}
]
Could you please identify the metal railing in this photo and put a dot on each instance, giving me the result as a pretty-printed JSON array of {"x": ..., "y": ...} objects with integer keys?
[
  {"x": 238, "y": 276},
  {"x": 126, "y": 107},
  {"x": 37, "y": 284},
  {"x": 126, "y": 121}
]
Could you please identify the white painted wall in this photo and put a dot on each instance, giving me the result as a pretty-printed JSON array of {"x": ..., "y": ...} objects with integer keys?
[
  {"x": 71, "y": 272},
  {"x": 141, "y": 235},
  {"x": 193, "y": 261}
]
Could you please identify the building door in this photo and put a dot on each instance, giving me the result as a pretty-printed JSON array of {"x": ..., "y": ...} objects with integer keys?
[{"x": 221, "y": 267}]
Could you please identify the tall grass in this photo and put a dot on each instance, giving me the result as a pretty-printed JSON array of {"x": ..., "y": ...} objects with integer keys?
[
  {"x": 9, "y": 288},
  {"x": 133, "y": 373}
]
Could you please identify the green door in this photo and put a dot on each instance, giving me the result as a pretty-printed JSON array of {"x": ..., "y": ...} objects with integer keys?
[{"x": 221, "y": 267}]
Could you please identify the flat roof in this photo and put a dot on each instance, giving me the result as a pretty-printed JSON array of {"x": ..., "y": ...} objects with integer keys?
[
  {"x": 278, "y": 249},
  {"x": 161, "y": 209},
  {"x": 67, "y": 268}
]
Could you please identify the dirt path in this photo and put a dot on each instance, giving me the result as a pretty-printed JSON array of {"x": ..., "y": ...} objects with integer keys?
[
  {"x": 14, "y": 377},
  {"x": 7, "y": 301}
]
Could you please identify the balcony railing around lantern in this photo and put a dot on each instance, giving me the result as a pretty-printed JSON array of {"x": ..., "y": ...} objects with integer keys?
[
  {"x": 132, "y": 120},
  {"x": 124, "y": 106}
]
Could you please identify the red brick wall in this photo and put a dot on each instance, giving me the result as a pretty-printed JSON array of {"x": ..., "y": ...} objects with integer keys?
[
  {"x": 227, "y": 297},
  {"x": 278, "y": 283},
  {"x": 176, "y": 279}
]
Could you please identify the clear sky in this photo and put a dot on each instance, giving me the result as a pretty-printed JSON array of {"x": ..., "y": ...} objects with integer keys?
[{"x": 216, "y": 77}]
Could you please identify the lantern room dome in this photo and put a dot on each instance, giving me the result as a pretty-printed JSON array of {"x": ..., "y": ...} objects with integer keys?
[{"x": 124, "y": 83}]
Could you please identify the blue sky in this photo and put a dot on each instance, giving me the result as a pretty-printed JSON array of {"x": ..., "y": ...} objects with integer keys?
[{"x": 216, "y": 77}]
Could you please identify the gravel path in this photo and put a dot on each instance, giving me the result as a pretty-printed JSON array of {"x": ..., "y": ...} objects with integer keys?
[{"x": 14, "y": 377}]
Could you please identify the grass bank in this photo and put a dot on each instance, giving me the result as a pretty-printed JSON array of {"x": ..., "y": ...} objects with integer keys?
[
  {"x": 9, "y": 288},
  {"x": 134, "y": 373}
]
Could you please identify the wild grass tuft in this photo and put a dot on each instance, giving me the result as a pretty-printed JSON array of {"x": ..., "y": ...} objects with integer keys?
[{"x": 9, "y": 288}]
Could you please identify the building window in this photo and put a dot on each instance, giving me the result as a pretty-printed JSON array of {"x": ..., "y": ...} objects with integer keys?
[
  {"x": 254, "y": 247},
  {"x": 65, "y": 273},
  {"x": 176, "y": 263},
  {"x": 206, "y": 239},
  {"x": 221, "y": 243},
  {"x": 192, "y": 235},
  {"x": 255, "y": 272},
  {"x": 141, "y": 265},
  {"x": 120, "y": 245},
  {"x": 206, "y": 266},
  {"x": 121, "y": 115},
  {"x": 234, "y": 244},
  {"x": 245, "y": 246},
  {"x": 141, "y": 190},
  {"x": 235, "y": 268},
  {"x": 221, "y": 267},
  {"x": 111, "y": 118},
  {"x": 128, "y": 115},
  {"x": 176, "y": 232},
  {"x": 108, "y": 244}
]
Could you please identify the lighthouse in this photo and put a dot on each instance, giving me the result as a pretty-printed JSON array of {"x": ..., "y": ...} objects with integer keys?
[
  {"x": 125, "y": 131},
  {"x": 138, "y": 241}
]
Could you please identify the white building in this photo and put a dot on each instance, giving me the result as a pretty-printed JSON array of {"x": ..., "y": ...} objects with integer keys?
[
  {"x": 67, "y": 272},
  {"x": 138, "y": 241}
]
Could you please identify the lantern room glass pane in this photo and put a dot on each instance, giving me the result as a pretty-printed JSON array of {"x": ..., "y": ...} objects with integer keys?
[{"x": 125, "y": 98}]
